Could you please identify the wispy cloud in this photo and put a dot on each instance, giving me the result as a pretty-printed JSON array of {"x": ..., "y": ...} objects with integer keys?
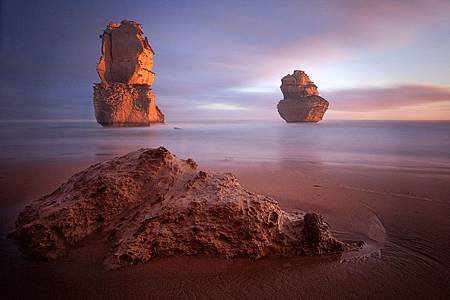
[
  {"x": 222, "y": 106},
  {"x": 355, "y": 29},
  {"x": 373, "y": 99}
]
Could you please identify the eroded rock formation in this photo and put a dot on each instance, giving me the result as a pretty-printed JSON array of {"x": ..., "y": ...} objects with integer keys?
[
  {"x": 301, "y": 102},
  {"x": 124, "y": 96},
  {"x": 151, "y": 204}
]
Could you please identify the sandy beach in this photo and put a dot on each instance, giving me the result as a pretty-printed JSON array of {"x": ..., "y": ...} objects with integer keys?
[{"x": 402, "y": 214}]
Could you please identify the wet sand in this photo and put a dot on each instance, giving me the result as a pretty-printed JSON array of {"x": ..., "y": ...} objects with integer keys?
[{"x": 402, "y": 213}]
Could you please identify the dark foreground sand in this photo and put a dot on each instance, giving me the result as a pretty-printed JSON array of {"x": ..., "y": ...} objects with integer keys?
[{"x": 403, "y": 215}]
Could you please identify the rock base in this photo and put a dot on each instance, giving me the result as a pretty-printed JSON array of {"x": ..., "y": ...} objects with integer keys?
[
  {"x": 120, "y": 104},
  {"x": 303, "y": 109}
]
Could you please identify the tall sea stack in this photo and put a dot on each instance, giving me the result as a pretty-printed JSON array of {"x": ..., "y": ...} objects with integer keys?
[
  {"x": 301, "y": 102},
  {"x": 124, "y": 97}
]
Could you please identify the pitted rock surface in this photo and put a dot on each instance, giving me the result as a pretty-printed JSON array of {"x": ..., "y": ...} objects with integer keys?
[{"x": 151, "y": 204}]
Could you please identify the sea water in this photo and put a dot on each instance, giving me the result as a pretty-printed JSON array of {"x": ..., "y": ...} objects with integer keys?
[{"x": 376, "y": 143}]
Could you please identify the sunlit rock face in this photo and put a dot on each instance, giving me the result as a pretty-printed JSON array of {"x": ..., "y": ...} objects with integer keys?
[
  {"x": 120, "y": 104},
  {"x": 124, "y": 97},
  {"x": 149, "y": 204},
  {"x": 301, "y": 102}
]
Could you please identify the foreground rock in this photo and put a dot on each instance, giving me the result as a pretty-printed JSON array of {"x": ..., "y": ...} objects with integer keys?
[
  {"x": 301, "y": 102},
  {"x": 124, "y": 97},
  {"x": 151, "y": 204}
]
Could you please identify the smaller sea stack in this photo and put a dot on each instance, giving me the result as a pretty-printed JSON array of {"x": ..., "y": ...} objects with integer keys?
[
  {"x": 124, "y": 97},
  {"x": 301, "y": 102}
]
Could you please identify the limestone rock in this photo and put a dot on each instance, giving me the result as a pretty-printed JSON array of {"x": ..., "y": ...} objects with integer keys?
[
  {"x": 127, "y": 57},
  {"x": 304, "y": 109},
  {"x": 150, "y": 204},
  {"x": 125, "y": 105},
  {"x": 124, "y": 97},
  {"x": 297, "y": 85},
  {"x": 301, "y": 102}
]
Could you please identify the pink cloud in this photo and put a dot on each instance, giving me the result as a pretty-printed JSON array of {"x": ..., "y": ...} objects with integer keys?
[{"x": 374, "y": 99}]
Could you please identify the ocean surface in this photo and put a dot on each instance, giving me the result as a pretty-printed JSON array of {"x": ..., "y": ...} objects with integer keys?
[{"x": 372, "y": 143}]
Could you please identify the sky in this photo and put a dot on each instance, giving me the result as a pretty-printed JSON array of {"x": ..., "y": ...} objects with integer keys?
[{"x": 223, "y": 60}]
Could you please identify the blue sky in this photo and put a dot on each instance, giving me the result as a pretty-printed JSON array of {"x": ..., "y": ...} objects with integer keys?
[{"x": 224, "y": 59}]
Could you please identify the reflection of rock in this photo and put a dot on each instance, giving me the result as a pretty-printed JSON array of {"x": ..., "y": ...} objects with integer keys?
[
  {"x": 124, "y": 97},
  {"x": 149, "y": 204},
  {"x": 301, "y": 102}
]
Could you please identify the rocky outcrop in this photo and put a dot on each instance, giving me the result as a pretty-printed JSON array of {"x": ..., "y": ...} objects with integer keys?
[
  {"x": 151, "y": 204},
  {"x": 124, "y": 96},
  {"x": 301, "y": 102}
]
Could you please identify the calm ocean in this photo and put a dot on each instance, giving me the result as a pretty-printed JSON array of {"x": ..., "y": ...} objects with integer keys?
[{"x": 373, "y": 143}]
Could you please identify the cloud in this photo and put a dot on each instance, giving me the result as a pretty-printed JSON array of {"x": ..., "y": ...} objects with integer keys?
[
  {"x": 222, "y": 106},
  {"x": 375, "y": 99},
  {"x": 340, "y": 32},
  {"x": 255, "y": 89}
]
